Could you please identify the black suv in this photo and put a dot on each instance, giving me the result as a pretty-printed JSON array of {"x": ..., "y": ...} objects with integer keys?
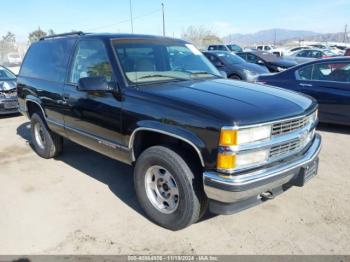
[{"x": 195, "y": 139}]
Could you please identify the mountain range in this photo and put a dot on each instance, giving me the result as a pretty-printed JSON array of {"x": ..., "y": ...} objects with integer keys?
[{"x": 281, "y": 36}]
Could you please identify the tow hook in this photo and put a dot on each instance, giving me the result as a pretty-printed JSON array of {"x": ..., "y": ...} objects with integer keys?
[{"x": 268, "y": 195}]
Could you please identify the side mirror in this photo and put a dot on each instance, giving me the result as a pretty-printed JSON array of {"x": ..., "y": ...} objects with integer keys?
[
  {"x": 97, "y": 83},
  {"x": 260, "y": 62}
]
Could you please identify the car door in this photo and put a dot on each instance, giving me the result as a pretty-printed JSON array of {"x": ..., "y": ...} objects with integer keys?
[
  {"x": 329, "y": 83},
  {"x": 92, "y": 118}
]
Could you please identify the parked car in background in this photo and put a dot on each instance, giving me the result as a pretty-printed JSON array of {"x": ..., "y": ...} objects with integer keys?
[
  {"x": 272, "y": 62},
  {"x": 347, "y": 52},
  {"x": 12, "y": 59},
  {"x": 234, "y": 66},
  {"x": 327, "y": 80},
  {"x": 295, "y": 49},
  {"x": 195, "y": 140},
  {"x": 229, "y": 48},
  {"x": 319, "y": 46},
  {"x": 8, "y": 94},
  {"x": 270, "y": 49},
  {"x": 308, "y": 55}
]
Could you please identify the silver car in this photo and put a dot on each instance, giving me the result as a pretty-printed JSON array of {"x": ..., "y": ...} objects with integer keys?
[
  {"x": 308, "y": 55},
  {"x": 8, "y": 94}
]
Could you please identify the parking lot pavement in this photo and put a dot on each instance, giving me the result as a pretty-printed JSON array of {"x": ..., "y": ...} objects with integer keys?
[{"x": 84, "y": 203}]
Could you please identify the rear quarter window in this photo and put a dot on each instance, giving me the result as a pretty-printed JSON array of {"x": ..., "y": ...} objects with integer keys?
[{"x": 48, "y": 59}]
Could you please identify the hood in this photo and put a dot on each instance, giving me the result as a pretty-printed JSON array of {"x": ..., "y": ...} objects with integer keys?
[
  {"x": 7, "y": 85},
  {"x": 233, "y": 102},
  {"x": 257, "y": 69},
  {"x": 284, "y": 63}
]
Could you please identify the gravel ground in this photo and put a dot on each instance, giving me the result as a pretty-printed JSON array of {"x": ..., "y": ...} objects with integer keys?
[{"x": 84, "y": 203}]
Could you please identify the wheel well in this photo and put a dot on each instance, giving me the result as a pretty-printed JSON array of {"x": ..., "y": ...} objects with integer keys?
[
  {"x": 234, "y": 74},
  {"x": 145, "y": 139},
  {"x": 33, "y": 107}
]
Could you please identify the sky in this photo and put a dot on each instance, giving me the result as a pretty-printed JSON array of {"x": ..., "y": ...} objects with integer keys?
[{"x": 223, "y": 17}]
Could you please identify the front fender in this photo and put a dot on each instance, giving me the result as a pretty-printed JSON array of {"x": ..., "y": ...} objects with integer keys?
[{"x": 174, "y": 131}]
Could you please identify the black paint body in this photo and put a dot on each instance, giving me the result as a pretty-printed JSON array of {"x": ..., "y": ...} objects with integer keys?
[{"x": 193, "y": 111}]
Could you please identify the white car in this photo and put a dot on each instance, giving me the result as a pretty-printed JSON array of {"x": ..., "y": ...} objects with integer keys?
[
  {"x": 13, "y": 59},
  {"x": 270, "y": 49}
]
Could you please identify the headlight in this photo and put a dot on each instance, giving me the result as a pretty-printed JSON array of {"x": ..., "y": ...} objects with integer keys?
[
  {"x": 236, "y": 137},
  {"x": 251, "y": 76},
  {"x": 232, "y": 137},
  {"x": 241, "y": 160}
]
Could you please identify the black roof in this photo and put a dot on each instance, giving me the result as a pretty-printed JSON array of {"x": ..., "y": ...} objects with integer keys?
[{"x": 110, "y": 36}]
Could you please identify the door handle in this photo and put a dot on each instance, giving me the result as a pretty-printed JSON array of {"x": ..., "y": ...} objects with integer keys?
[{"x": 305, "y": 85}]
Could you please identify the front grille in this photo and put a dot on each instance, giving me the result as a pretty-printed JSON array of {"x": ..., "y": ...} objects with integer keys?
[
  {"x": 285, "y": 149},
  {"x": 289, "y": 126},
  {"x": 291, "y": 147}
]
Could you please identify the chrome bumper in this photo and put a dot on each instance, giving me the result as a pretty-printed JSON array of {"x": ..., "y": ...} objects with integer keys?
[{"x": 234, "y": 189}]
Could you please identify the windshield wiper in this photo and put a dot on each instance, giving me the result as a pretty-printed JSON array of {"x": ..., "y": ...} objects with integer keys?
[
  {"x": 164, "y": 76},
  {"x": 198, "y": 73}
]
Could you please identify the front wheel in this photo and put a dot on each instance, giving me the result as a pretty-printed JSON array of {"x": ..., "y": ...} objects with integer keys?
[{"x": 167, "y": 188}]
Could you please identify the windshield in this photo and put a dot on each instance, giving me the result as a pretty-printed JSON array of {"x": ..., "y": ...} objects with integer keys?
[
  {"x": 154, "y": 61},
  {"x": 234, "y": 48},
  {"x": 231, "y": 58},
  {"x": 6, "y": 74}
]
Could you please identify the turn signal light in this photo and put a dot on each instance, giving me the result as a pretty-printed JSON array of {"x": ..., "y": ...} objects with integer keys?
[
  {"x": 228, "y": 137},
  {"x": 225, "y": 161}
]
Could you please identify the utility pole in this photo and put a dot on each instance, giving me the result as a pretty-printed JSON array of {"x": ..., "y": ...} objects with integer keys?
[
  {"x": 346, "y": 34},
  {"x": 131, "y": 18},
  {"x": 163, "y": 19}
]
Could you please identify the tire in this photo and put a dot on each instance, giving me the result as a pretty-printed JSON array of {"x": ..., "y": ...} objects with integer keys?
[
  {"x": 235, "y": 77},
  {"x": 46, "y": 143},
  {"x": 191, "y": 201}
]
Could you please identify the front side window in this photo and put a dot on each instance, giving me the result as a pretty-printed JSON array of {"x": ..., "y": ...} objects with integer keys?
[
  {"x": 90, "y": 60},
  {"x": 145, "y": 61},
  {"x": 305, "y": 73}
]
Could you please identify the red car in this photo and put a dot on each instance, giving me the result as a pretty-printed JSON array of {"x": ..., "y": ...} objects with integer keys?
[{"x": 347, "y": 52}]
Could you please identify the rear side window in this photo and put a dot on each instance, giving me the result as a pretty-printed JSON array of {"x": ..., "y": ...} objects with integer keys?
[
  {"x": 330, "y": 72},
  {"x": 48, "y": 59}
]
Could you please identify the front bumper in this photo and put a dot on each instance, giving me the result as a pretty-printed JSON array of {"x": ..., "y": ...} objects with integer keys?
[
  {"x": 230, "y": 194},
  {"x": 8, "y": 106}
]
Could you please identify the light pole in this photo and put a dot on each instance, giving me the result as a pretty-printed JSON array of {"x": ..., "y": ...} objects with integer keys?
[
  {"x": 163, "y": 19},
  {"x": 131, "y": 19}
]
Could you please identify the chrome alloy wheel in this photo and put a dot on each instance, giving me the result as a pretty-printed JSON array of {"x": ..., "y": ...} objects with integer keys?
[
  {"x": 161, "y": 189},
  {"x": 39, "y": 135}
]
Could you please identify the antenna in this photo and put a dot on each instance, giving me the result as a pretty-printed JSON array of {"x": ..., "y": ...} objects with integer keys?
[
  {"x": 163, "y": 19},
  {"x": 131, "y": 19}
]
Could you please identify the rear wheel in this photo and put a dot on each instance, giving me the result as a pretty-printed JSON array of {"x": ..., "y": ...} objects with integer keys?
[
  {"x": 167, "y": 189},
  {"x": 46, "y": 143}
]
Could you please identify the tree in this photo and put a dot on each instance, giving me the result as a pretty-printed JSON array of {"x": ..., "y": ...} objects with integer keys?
[
  {"x": 9, "y": 38},
  {"x": 36, "y": 35},
  {"x": 7, "y": 44},
  {"x": 51, "y": 32},
  {"x": 200, "y": 36}
]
